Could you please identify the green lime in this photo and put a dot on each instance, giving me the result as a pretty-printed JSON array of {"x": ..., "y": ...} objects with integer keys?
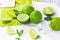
[
  {"x": 23, "y": 18},
  {"x": 55, "y": 23},
  {"x": 27, "y": 9},
  {"x": 35, "y": 17},
  {"x": 48, "y": 11}
]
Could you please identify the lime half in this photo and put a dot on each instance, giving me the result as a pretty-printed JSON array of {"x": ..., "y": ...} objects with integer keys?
[
  {"x": 48, "y": 11},
  {"x": 23, "y": 18}
]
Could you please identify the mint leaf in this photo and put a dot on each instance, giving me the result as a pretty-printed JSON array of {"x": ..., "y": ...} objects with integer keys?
[
  {"x": 16, "y": 12},
  {"x": 20, "y": 33},
  {"x": 17, "y": 39},
  {"x": 48, "y": 18}
]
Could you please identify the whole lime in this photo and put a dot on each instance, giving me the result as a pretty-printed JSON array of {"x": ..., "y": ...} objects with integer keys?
[
  {"x": 35, "y": 17},
  {"x": 27, "y": 9},
  {"x": 55, "y": 23}
]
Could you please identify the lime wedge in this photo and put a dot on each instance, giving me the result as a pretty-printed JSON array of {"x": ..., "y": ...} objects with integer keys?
[
  {"x": 23, "y": 18},
  {"x": 33, "y": 34},
  {"x": 15, "y": 23},
  {"x": 10, "y": 31}
]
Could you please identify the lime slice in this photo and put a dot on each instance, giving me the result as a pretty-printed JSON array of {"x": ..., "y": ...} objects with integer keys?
[
  {"x": 23, "y": 18},
  {"x": 35, "y": 17},
  {"x": 7, "y": 13},
  {"x": 15, "y": 23},
  {"x": 10, "y": 31},
  {"x": 6, "y": 20},
  {"x": 33, "y": 34},
  {"x": 48, "y": 11}
]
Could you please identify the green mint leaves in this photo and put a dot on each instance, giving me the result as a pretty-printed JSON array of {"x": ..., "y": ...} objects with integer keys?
[{"x": 19, "y": 33}]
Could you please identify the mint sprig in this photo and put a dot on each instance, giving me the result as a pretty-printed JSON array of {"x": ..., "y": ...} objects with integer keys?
[{"x": 19, "y": 33}]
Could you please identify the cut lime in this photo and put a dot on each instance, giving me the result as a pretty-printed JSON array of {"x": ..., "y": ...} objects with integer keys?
[
  {"x": 7, "y": 13},
  {"x": 48, "y": 11},
  {"x": 10, "y": 31},
  {"x": 15, "y": 23},
  {"x": 33, "y": 34},
  {"x": 27, "y": 9},
  {"x": 23, "y": 18},
  {"x": 55, "y": 24},
  {"x": 35, "y": 17},
  {"x": 6, "y": 20}
]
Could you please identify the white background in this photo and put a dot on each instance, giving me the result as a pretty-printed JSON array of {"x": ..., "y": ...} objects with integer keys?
[{"x": 7, "y": 3}]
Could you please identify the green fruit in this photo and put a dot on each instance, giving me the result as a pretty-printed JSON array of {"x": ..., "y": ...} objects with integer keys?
[
  {"x": 33, "y": 34},
  {"x": 27, "y": 9},
  {"x": 6, "y": 20},
  {"x": 10, "y": 31},
  {"x": 55, "y": 23},
  {"x": 48, "y": 11},
  {"x": 8, "y": 13},
  {"x": 23, "y": 18},
  {"x": 35, "y": 17}
]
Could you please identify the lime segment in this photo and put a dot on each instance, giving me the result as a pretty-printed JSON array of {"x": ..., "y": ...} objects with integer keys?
[{"x": 33, "y": 34}]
